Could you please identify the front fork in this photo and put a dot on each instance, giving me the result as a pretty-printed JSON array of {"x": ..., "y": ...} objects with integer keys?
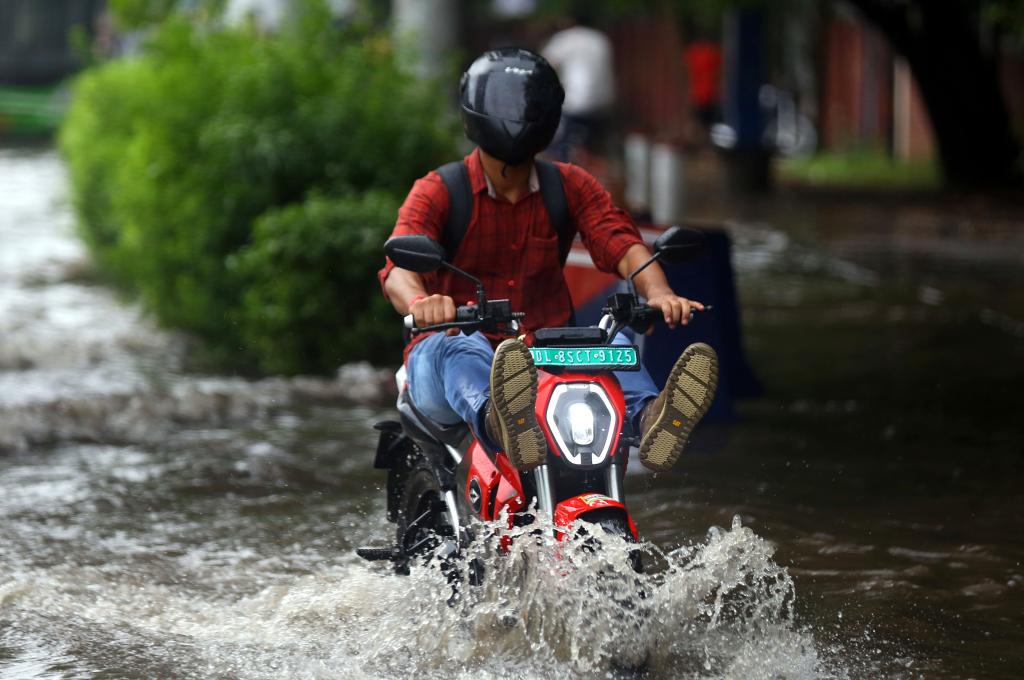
[
  {"x": 546, "y": 487},
  {"x": 545, "y": 491}
]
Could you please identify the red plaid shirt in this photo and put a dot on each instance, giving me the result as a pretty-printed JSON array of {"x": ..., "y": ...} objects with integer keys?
[{"x": 512, "y": 247}]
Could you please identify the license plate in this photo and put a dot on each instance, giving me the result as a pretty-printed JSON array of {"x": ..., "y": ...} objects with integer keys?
[{"x": 606, "y": 357}]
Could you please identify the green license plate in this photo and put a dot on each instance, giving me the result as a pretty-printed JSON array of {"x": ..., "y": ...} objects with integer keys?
[{"x": 608, "y": 357}]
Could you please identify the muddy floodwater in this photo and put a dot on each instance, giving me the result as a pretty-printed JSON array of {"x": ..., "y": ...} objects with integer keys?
[{"x": 863, "y": 519}]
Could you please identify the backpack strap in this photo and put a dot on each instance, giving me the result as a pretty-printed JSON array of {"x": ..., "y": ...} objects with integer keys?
[
  {"x": 552, "y": 190},
  {"x": 460, "y": 206}
]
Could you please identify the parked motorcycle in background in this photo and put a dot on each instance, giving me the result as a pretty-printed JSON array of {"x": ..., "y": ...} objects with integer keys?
[{"x": 787, "y": 131}]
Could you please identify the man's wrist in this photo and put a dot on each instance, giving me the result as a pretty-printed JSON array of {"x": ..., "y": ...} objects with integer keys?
[{"x": 657, "y": 291}]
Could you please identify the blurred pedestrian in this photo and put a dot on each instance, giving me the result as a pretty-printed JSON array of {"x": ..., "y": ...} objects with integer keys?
[
  {"x": 582, "y": 56},
  {"x": 704, "y": 71}
]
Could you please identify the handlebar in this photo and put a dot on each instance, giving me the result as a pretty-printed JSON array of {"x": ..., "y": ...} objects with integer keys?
[
  {"x": 421, "y": 254},
  {"x": 463, "y": 314},
  {"x": 468, "y": 318},
  {"x": 623, "y": 311},
  {"x": 648, "y": 314}
]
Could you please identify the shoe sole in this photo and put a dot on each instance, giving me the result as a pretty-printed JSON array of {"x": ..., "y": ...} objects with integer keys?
[
  {"x": 513, "y": 396},
  {"x": 692, "y": 385}
]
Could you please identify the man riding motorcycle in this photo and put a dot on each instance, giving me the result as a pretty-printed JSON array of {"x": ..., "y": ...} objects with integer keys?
[{"x": 510, "y": 106}]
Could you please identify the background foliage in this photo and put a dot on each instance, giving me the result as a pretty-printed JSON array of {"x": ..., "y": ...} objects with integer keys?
[
  {"x": 284, "y": 156},
  {"x": 298, "y": 279}
]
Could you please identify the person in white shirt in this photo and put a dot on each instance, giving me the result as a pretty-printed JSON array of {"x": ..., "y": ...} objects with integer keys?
[{"x": 583, "y": 58}]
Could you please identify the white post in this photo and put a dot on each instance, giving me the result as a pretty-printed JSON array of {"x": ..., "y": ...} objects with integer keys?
[
  {"x": 428, "y": 29},
  {"x": 666, "y": 184},
  {"x": 638, "y": 172}
]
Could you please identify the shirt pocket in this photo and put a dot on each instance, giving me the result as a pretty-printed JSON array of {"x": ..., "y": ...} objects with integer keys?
[{"x": 540, "y": 264}]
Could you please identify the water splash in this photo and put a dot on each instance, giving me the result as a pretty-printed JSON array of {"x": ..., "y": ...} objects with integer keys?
[
  {"x": 719, "y": 609},
  {"x": 722, "y": 608}
]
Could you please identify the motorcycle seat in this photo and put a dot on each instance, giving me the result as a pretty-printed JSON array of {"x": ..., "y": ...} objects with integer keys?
[{"x": 423, "y": 429}]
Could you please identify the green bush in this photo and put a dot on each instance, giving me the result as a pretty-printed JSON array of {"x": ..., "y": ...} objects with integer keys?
[
  {"x": 175, "y": 155},
  {"x": 302, "y": 284}
]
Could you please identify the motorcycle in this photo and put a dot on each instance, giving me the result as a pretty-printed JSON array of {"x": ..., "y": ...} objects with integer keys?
[{"x": 439, "y": 478}]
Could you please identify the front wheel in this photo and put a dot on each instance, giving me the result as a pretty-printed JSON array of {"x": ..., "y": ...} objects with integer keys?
[
  {"x": 627, "y": 592},
  {"x": 615, "y": 523}
]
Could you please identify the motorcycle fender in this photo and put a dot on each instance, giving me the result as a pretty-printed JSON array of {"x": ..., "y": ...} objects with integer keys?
[
  {"x": 481, "y": 482},
  {"x": 492, "y": 484},
  {"x": 509, "y": 494},
  {"x": 393, "y": 454},
  {"x": 570, "y": 510},
  {"x": 390, "y": 445}
]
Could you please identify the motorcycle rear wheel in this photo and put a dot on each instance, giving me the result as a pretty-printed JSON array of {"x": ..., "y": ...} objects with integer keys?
[
  {"x": 425, "y": 531},
  {"x": 423, "y": 522}
]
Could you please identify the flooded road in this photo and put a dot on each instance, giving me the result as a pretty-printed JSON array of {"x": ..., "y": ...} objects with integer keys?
[{"x": 156, "y": 523}]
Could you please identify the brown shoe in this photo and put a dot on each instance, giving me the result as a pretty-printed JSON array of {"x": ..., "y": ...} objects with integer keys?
[
  {"x": 667, "y": 421},
  {"x": 510, "y": 418}
]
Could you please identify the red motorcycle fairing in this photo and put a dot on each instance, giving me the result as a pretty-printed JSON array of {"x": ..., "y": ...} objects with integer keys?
[
  {"x": 548, "y": 382},
  {"x": 492, "y": 486},
  {"x": 569, "y": 510}
]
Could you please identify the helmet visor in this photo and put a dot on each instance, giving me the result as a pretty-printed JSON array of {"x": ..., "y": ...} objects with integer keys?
[{"x": 509, "y": 94}]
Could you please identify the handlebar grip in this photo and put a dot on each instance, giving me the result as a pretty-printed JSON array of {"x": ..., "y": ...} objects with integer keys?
[
  {"x": 646, "y": 315},
  {"x": 465, "y": 314},
  {"x": 648, "y": 312},
  {"x": 467, "y": 318}
]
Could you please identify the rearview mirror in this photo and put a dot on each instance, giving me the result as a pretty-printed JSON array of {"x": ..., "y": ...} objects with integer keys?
[
  {"x": 679, "y": 244},
  {"x": 420, "y": 254}
]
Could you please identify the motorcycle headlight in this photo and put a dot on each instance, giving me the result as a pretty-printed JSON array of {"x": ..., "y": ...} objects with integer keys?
[{"x": 582, "y": 422}]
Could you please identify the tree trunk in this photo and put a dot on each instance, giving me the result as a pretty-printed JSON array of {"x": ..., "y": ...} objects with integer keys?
[{"x": 959, "y": 86}]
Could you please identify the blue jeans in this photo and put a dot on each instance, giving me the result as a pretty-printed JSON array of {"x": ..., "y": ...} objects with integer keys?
[{"x": 449, "y": 381}]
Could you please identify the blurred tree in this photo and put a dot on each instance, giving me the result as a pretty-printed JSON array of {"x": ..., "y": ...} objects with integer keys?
[
  {"x": 242, "y": 182},
  {"x": 136, "y": 14},
  {"x": 610, "y": 10},
  {"x": 952, "y": 49}
]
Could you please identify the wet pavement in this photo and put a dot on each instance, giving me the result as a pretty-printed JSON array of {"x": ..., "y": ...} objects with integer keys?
[{"x": 157, "y": 523}]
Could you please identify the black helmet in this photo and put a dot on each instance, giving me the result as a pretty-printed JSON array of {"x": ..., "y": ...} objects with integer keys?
[{"x": 511, "y": 102}]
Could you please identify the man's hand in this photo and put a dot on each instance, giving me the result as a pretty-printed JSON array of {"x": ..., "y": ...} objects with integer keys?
[
  {"x": 408, "y": 295},
  {"x": 652, "y": 284},
  {"x": 677, "y": 310},
  {"x": 433, "y": 309}
]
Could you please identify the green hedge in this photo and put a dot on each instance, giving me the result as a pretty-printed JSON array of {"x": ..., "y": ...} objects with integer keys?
[
  {"x": 220, "y": 146},
  {"x": 302, "y": 284}
]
